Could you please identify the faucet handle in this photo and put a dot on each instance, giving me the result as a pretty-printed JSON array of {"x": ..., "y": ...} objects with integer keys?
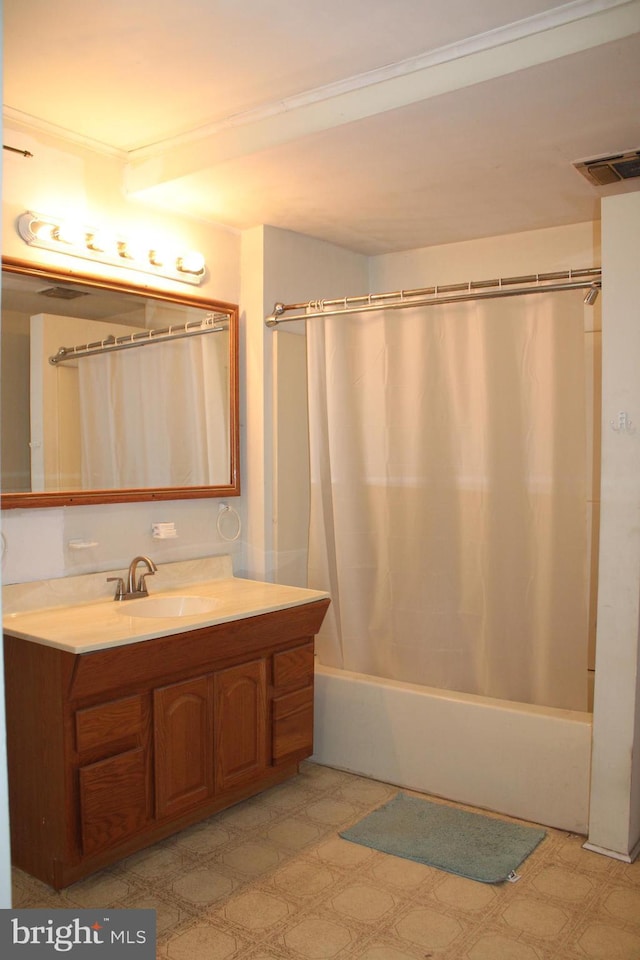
[
  {"x": 142, "y": 586},
  {"x": 119, "y": 589}
]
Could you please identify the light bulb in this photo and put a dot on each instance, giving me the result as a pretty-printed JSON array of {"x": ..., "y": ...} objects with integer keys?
[
  {"x": 133, "y": 249},
  {"x": 101, "y": 242},
  {"x": 159, "y": 256},
  {"x": 191, "y": 262},
  {"x": 69, "y": 232},
  {"x": 43, "y": 230}
]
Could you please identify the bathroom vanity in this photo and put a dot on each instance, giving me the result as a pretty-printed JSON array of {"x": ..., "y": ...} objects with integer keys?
[{"x": 122, "y": 729}]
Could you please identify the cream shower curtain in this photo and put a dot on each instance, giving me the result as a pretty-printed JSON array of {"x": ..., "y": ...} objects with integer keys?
[
  {"x": 448, "y": 513},
  {"x": 156, "y": 416}
]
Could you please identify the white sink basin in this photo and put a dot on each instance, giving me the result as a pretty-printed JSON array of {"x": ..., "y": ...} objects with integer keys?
[{"x": 167, "y": 606}]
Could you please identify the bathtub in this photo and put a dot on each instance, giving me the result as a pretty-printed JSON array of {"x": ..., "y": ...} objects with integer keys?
[{"x": 525, "y": 761}]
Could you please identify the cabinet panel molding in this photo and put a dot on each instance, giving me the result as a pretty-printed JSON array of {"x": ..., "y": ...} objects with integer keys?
[
  {"x": 240, "y": 723},
  {"x": 183, "y": 742}
]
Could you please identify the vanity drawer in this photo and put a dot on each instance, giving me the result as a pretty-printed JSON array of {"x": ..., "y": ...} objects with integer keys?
[
  {"x": 114, "y": 800},
  {"x": 110, "y": 723},
  {"x": 293, "y": 668},
  {"x": 292, "y": 725}
]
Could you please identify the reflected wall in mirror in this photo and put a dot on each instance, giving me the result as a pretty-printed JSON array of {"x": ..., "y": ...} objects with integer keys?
[{"x": 114, "y": 393}]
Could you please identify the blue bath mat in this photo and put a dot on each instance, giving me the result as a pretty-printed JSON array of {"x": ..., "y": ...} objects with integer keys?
[{"x": 468, "y": 844}]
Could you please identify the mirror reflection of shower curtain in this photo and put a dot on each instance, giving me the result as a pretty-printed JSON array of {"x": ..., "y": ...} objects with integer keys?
[
  {"x": 448, "y": 501},
  {"x": 152, "y": 416}
]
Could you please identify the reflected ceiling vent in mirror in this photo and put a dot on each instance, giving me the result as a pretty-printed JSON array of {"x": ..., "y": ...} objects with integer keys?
[
  {"x": 62, "y": 293},
  {"x": 92, "y": 242},
  {"x": 606, "y": 170}
]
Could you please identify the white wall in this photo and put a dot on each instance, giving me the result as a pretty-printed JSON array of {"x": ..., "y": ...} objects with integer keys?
[
  {"x": 62, "y": 178},
  {"x": 536, "y": 251},
  {"x": 615, "y": 790},
  {"x": 279, "y": 265},
  {"x": 5, "y": 858}
]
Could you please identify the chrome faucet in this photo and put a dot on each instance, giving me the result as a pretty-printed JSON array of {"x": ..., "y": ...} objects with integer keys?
[{"x": 134, "y": 589}]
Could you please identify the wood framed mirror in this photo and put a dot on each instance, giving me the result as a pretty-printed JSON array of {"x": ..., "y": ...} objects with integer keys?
[{"x": 113, "y": 392}]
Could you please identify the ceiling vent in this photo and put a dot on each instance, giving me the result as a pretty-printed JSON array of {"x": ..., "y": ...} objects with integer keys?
[{"x": 603, "y": 171}]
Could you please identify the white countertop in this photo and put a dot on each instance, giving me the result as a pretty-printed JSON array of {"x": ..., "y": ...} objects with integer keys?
[{"x": 45, "y": 612}]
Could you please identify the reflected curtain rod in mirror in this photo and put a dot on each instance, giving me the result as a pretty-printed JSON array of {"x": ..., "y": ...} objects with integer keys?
[{"x": 125, "y": 425}]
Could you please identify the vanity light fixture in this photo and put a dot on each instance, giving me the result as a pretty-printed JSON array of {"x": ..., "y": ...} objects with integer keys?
[{"x": 93, "y": 243}]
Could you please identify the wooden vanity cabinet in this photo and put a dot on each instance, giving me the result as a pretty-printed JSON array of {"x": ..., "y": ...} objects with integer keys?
[{"x": 112, "y": 750}]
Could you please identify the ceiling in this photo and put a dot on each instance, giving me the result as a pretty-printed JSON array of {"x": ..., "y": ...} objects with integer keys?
[{"x": 379, "y": 126}]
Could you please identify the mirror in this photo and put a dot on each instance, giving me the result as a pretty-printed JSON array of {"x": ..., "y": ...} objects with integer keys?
[{"x": 140, "y": 404}]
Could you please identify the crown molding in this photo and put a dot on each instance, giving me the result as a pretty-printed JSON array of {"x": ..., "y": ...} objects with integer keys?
[
  {"x": 259, "y": 117},
  {"x": 568, "y": 13},
  {"x": 12, "y": 116}
]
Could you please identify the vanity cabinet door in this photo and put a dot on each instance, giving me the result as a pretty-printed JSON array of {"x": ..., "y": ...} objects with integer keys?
[
  {"x": 240, "y": 713},
  {"x": 112, "y": 743},
  {"x": 183, "y": 745}
]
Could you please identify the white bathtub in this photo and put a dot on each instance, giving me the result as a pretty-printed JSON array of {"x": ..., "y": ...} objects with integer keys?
[{"x": 521, "y": 760}]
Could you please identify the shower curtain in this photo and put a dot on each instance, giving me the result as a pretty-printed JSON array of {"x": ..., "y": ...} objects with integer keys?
[
  {"x": 156, "y": 416},
  {"x": 448, "y": 495}
]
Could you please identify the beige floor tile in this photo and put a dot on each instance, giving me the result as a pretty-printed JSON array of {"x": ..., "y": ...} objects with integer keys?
[
  {"x": 342, "y": 853},
  {"x": 271, "y": 879},
  {"x": 294, "y": 833},
  {"x": 386, "y": 950},
  {"x": 573, "y": 855},
  {"x": 333, "y": 813},
  {"x": 252, "y": 858},
  {"x": 464, "y": 895},
  {"x": 399, "y": 874},
  {"x": 157, "y": 863},
  {"x": 203, "y": 942},
  {"x": 168, "y": 915},
  {"x": 316, "y": 938},
  {"x": 563, "y": 884},
  {"x": 623, "y": 903},
  {"x": 363, "y": 902},
  {"x": 426, "y": 928},
  {"x": 536, "y": 917},
  {"x": 255, "y": 910},
  {"x": 601, "y": 941},
  {"x": 99, "y": 890},
  {"x": 247, "y": 816},
  {"x": 204, "y": 838},
  {"x": 203, "y": 886},
  {"x": 367, "y": 792},
  {"x": 493, "y": 946},
  {"x": 303, "y": 879}
]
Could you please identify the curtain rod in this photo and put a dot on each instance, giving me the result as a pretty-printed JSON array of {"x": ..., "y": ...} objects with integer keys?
[
  {"x": 590, "y": 277},
  {"x": 213, "y": 323}
]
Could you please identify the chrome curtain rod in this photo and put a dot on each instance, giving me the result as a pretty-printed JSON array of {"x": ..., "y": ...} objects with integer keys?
[
  {"x": 213, "y": 323},
  {"x": 590, "y": 277}
]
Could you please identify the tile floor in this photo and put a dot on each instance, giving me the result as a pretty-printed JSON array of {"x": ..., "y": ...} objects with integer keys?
[{"x": 270, "y": 879}]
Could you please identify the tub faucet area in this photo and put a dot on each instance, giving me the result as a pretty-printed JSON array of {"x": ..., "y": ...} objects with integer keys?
[{"x": 134, "y": 589}]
